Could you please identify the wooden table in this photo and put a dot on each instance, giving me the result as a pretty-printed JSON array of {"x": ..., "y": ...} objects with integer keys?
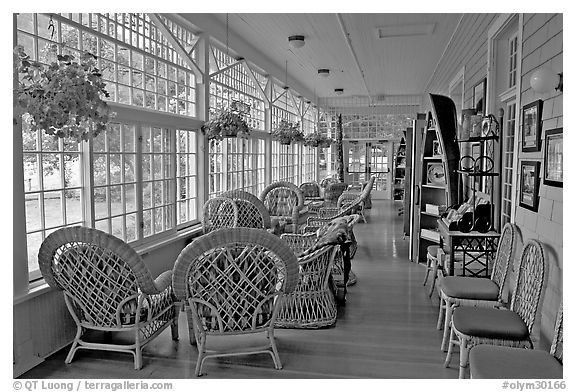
[{"x": 474, "y": 246}]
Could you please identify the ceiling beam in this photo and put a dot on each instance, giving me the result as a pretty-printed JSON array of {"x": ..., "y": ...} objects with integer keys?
[
  {"x": 210, "y": 24},
  {"x": 348, "y": 40}
]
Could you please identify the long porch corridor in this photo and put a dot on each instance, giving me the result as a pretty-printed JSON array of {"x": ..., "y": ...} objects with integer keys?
[{"x": 385, "y": 330}]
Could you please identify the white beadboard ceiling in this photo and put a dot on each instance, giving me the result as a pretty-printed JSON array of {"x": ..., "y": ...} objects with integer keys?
[{"x": 399, "y": 64}]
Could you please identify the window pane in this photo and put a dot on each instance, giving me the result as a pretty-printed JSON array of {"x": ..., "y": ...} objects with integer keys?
[
  {"x": 33, "y": 213},
  {"x": 53, "y": 209},
  {"x": 100, "y": 203},
  {"x": 73, "y": 206}
]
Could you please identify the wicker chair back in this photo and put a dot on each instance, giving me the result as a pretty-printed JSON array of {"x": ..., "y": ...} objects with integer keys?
[
  {"x": 219, "y": 212},
  {"x": 252, "y": 212},
  {"x": 529, "y": 282}
]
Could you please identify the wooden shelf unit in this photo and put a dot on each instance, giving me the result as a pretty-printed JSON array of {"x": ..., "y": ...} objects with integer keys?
[
  {"x": 399, "y": 172},
  {"x": 439, "y": 147}
]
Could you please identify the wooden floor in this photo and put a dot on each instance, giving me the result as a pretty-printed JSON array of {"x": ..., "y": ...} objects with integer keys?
[{"x": 385, "y": 330}]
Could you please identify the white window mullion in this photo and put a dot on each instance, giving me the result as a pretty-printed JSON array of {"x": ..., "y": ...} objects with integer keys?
[{"x": 139, "y": 185}]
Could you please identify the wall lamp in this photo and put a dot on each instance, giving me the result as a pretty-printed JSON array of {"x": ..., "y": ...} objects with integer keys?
[{"x": 544, "y": 80}]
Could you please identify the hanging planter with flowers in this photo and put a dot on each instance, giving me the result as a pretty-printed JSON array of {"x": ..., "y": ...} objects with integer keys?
[
  {"x": 230, "y": 122},
  {"x": 317, "y": 139},
  {"x": 65, "y": 98},
  {"x": 288, "y": 132}
]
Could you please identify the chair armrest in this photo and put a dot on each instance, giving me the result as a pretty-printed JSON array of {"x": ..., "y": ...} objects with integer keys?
[
  {"x": 163, "y": 281},
  {"x": 328, "y": 212}
]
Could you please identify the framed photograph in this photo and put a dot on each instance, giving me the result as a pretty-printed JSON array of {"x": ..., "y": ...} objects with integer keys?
[
  {"x": 531, "y": 126},
  {"x": 436, "y": 149},
  {"x": 553, "y": 157},
  {"x": 479, "y": 97},
  {"x": 435, "y": 174},
  {"x": 529, "y": 184}
]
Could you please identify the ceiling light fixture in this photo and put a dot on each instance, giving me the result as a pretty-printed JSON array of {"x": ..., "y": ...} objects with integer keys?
[
  {"x": 339, "y": 91},
  {"x": 324, "y": 72},
  {"x": 296, "y": 41}
]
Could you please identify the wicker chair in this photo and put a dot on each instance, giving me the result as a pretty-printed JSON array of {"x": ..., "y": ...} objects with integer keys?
[
  {"x": 312, "y": 303},
  {"x": 108, "y": 288},
  {"x": 252, "y": 212},
  {"x": 472, "y": 326},
  {"x": 311, "y": 191},
  {"x": 486, "y": 361},
  {"x": 333, "y": 192},
  {"x": 283, "y": 200},
  {"x": 219, "y": 212},
  {"x": 467, "y": 291},
  {"x": 233, "y": 281}
]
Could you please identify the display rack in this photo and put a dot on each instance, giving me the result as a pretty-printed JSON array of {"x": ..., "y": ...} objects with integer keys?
[
  {"x": 438, "y": 180},
  {"x": 399, "y": 171}
]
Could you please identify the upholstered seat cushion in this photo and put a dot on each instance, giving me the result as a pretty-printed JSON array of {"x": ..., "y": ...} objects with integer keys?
[
  {"x": 470, "y": 288},
  {"x": 490, "y": 323},
  {"x": 487, "y": 361}
]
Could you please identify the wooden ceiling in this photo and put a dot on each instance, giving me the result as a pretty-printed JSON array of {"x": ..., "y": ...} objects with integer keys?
[{"x": 390, "y": 66}]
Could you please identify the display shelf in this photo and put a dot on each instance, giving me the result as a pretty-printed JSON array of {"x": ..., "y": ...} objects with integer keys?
[
  {"x": 473, "y": 139},
  {"x": 477, "y": 174},
  {"x": 438, "y": 148}
]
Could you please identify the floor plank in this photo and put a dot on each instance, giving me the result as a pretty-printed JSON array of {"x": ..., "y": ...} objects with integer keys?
[{"x": 385, "y": 330}]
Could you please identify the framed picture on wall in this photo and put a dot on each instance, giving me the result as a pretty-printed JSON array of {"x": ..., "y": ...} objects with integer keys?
[
  {"x": 529, "y": 184},
  {"x": 479, "y": 97},
  {"x": 553, "y": 157},
  {"x": 531, "y": 126}
]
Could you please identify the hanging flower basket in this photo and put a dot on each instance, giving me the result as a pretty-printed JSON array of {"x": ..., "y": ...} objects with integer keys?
[
  {"x": 288, "y": 132},
  {"x": 65, "y": 98},
  {"x": 317, "y": 139},
  {"x": 230, "y": 122}
]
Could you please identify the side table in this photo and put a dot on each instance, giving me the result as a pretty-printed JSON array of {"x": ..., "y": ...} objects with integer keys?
[{"x": 475, "y": 247}]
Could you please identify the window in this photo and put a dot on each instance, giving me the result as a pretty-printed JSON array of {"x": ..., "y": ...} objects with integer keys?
[
  {"x": 512, "y": 60},
  {"x": 53, "y": 180},
  {"x": 136, "y": 181},
  {"x": 508, "y": 162},
  {"x": 115, "y": 183}
]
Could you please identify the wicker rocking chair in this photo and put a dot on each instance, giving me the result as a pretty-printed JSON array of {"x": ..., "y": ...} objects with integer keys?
[
  {"x": 234, "y": 281},
  {"x": 472, "y": 326},
  {"x": 107, "y": 287},
  {"x": 312, "y": 303},
  {"x": 311, "y": 191},
  {"x": 252, "y": 212}
]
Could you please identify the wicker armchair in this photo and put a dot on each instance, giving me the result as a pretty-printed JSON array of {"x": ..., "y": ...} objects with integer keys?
[
  {"x": 333, "y": 192},
  {"x": 486, "y": 361},
  {"x": 469, "y": 291},
  {"x": 107, "y": 287},
  {"x": 472, "y": 326},
  {"x": 219, "y": 212},
  {"x": 312, "y": 303},
  {"x": 311, "y": 191},
  {"x": 283, "y": 200},
  {"x": 252, "y": 212},
  {"x": 233, "y": 281}
]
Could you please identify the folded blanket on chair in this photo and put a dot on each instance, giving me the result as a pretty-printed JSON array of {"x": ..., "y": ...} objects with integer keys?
[{"x": 337, "y": 232}]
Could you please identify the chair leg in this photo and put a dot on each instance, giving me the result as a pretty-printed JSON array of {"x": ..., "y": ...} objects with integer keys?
[
  {"x": 447, "y": 324},
  {"x": 434, "y": 277},
  {"x": 274, "y": 352},
  {"x": 74, "y": 347},
  {"x": 441, "y": 313},
  {"x": 137, "y": 353},
  {"x": 427, "y": 271},
  {"x": 450, "y": 348},
  {"x": 174, "y": 324},
  {"x": 201, "y": 341},
  {"x": 464, "y": 353}
]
